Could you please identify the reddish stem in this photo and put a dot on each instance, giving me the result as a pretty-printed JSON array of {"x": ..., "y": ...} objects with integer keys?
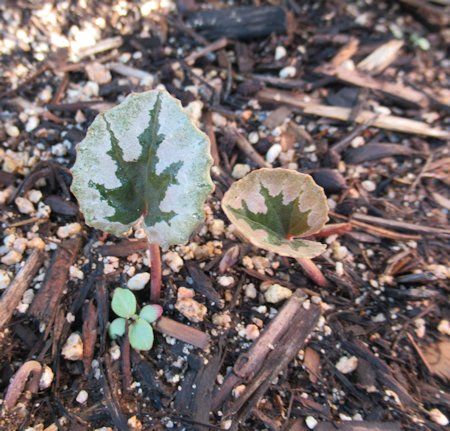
[
  {"x": 126, "y": 364},
  {"x": 155, "y": 264}
]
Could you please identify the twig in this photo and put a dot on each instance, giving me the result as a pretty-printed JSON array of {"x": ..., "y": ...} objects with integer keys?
[
  {"x": 333, "y": 229},
  {"x": 102, "y": 46},
  {"x": 19, "y": 381},
  {"x": 401, "y": 225},
  {"x": 155, "y": 265},
  {"x": 89, "y": 335},
  {"x": 182, "y": 332},
  {"x": 214, "y": 46},
  {"x": 14, "y": 292},
  {"x": 312, "y": 271},
  {"x": 247, "y": 148},
  {"x": 388, "y": 122}
]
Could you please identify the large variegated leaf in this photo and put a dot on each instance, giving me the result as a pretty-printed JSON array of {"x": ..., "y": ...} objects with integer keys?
[
  {"x": 143, "y": 161},
  {"x": 272, "y": 208}
]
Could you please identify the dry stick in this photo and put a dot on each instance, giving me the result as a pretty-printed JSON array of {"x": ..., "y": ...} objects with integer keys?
[
  {"x": 155, "y": 265},
  {"x": 214, "y": 46},
  {"x": 247, "y": 148},
  {"x": 248, "y": 363},
  {"x": 89, "y": 335},
  {"x": 182, "y": 332},
  {"x": 13, "y": 294},
  {"x": 19, "y": 382},
  {"x": 102, "y": 46},
  {"x": 312, "y": 271},
  {"x": 333, "y": 229},
  {"x": 388, "y": 122},
  {"x": 401, "y": 225}
]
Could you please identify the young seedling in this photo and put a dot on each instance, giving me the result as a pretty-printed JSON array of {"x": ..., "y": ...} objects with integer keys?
[
  {"x": 140, "y": 332},
  {"x": 143, "y": 163},
  {"x": 274, "y": 208}
]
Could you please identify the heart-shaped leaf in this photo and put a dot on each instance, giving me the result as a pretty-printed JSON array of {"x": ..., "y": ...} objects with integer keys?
[
  {"x": 144, "y": 162},
  {"x": 273, "y": 207},
  {"x": 141, "y": 335},
  {"x": 151, "y": 313},
  {"x": 117, "y": 328},
  {"x": 123, "y": 303}
]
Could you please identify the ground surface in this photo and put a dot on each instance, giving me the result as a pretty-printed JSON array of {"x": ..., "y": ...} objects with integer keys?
[{"x": 378, "y": 358}]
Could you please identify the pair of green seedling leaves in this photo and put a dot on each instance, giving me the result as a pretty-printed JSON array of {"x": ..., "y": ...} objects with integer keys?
[
  {"x": 143, "y": 163},
  {"x": 140, "y": 332}
]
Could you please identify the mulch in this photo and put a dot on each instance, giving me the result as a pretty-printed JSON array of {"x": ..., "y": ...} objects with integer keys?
[{"x": 354, "y": 93}]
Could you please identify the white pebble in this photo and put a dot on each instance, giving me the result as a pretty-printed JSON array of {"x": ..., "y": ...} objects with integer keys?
[
  {"x": 226, "y": 280},
  {"x": 444, "y": 327},
  {"x": 251, "y": 332},
  {"x": 240, "y": 170},
  {"x": 311, "y": 422},
  {"x": 68, "y": 230},
  {"x": 288, "y": 72},
  {"x": 139, "y": 281},
  {"x": 73, "y": 347},
  {"x": 173, "y": 261},
  {"x": 12, "y": 131},
  {"x": 46, "y": 378},
  {"x": 280, "y": 52},
  {"x": 32, "y": 123},
  {"x": 276, "y": 293},
  {"x": 20, "y": 245},
  {"x": 191, "y": 309},
  {"x": 59, "y": 150},
  {"x": 76, "y": 272},
  {"x": 28, "y": 296},
  {"x": 250, "y": 291},
  {"x": 114, "y": 351},
  {"x": 253, "y": 137},
  {"x": 347, "y": 364},
  {"x": 12, "y": 258},
  {"x": 438, "y": 417},
  {"x": 36, "y": 243},
  {"x": 82, "y": 397},
  {"x": 24, "y": 205},
  {"x": 5, "y": 279},
  {"x": 217, "y": 227},
  {"x": 273, "y": 153},
  {"x": 34, "y": 196},
  {"x": 368, "y": 185}
]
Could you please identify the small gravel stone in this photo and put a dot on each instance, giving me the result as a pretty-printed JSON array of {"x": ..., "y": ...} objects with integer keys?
[
  {"x": 76, "y": 273},
  {"x": 73, "y": 348},
  {"x": 68, "y": 230},
  {"x": 311, "y": 422},
  {"x": 238, "y": 391},
  {"x": 217, "y": 227},
  {"x": 226, "y": 280},
  {"x": 222, "y": 319},
  {"x": 5, "y": 279},
  {"x": 347, "y": 364},
  {"x": 12, "y": 257},
  {"x": 20, "y": 245},
  {"x": 253, "y": 137},
  {"x": 251, "y": 332},
  {"x": 240, "y": 170},
  {"x": 273, "y": 153},
  {"x": 82, "y": 397},
  {"x": 98, "y": 73},
  {"x": 288, "y": 72},
  {"x": 368, "y": 185},
  {"x": 250, "y": 291},
  {"x": 173, "y": 261},
  {"x": 46, "y": 378},
  {"x": 139, "y": 281},
  {"x": 438, "y": 417},
  {"x": 276, "y": 293},
  {"x": 444, "y": 327},
  {"x": 134, "y": 423},
  {"x": 114, "y": 351},
  {"x": 24, "y": 205},
  {"x": 184, "y": 292},
  {"x": 34, "y": 196},
  {"x": 12, "y": 131},
  {"x": 37, "y": 243},
  {"x": 191, "y": 309},
  {"x": 280, "y": 52}
]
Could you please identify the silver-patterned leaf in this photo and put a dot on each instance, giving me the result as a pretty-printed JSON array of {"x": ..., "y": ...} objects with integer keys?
[
  {"x": 144, "y": 162},
  {"x": 274, "y": 208}
]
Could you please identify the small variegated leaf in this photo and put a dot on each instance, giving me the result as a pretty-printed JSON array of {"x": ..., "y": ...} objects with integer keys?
[
  {"x": 151, "y": 313},
  {"x": 144, "y": 162},
  {"x": 117, "y": 328},
  {"x": 273, "y": 208},
  {"x": 124, "y": 303},
  {"x": 141, "y": 335}
]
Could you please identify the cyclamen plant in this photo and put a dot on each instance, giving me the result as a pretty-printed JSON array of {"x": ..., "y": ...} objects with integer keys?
[
  {"x": 275, "y": 208},
  {"x": 140, "y": 332},
  {"x": 143, "y": 163}
]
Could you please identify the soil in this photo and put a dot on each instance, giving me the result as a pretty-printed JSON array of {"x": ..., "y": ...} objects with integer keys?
[{"x": 323, "y": 87}]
